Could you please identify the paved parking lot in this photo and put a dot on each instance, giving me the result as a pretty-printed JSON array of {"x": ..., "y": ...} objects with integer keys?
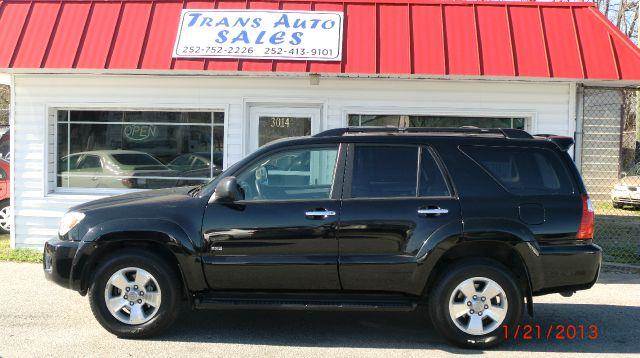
[{"x": 38, "y": 318}]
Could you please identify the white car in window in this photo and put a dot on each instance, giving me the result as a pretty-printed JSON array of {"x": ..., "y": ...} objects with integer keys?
[{"x": 115, "y": 169}]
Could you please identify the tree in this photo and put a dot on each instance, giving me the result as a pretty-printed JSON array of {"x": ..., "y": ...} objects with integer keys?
[
  {"x": 4, "y": 105},
  {"x": 622, "y": 13}
]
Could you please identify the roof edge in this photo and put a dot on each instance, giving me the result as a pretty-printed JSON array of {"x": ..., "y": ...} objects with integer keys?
[
  {"x": 615, "y": 30},
  {"x": 293, "y": 75},
  {"x": 399, "y": 2}
]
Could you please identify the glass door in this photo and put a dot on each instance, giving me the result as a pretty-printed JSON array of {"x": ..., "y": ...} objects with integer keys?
[{"x": 272, "y": 123}]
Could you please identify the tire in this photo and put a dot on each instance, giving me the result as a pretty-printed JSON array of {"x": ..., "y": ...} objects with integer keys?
[
  {"x": 5, "y": 217},
  {"x": 617, "y": 205},
  {"x": 492, "y": 331},
  {"x": 164, "y": 283}
]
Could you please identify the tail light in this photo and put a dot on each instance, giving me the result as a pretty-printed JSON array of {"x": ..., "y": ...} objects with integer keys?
[{"x": 585, "y": 230}]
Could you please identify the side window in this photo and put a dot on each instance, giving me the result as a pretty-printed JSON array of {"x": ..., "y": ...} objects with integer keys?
[
  {"x": 71, "y": 161},
  {"x": 384, "y": 171},
  {"x": 90, "y": 162},
  {"x": 431, "y": 179},
  {"x": 292, "y": 174},
  {"x": 3, "y": 174},
  {"x": 523, "y": 171}
]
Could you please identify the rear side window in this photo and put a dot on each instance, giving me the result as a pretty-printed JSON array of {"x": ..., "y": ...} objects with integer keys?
[
  {"x": 523, "y": 171},
  {"x": 431, "y": 180},
  {"x": 392, "y": 171}
]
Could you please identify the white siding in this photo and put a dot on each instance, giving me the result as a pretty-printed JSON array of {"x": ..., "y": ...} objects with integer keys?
[{"x": 37, "y": 209}]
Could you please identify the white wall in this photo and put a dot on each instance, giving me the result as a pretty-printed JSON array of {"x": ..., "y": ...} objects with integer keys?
[
  {"x": 5, "y": 79},
  {"x": 37, "y": 209}
]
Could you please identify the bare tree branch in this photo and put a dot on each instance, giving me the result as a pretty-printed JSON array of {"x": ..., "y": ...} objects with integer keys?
[
  {"x": 4, "y": 105},
  {"x": 625, "y": 14}
]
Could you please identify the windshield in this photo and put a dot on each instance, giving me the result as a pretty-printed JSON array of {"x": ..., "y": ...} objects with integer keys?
[{"x": 135, "y": 159}]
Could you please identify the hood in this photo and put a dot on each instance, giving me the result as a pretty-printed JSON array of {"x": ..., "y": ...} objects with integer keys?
[
  {"x": 147, "y": 197},
  {"x": 175, "y": 205},
  {"x": 632, "y": 180}
]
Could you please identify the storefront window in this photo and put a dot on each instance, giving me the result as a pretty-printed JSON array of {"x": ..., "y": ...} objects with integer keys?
[
  {"x": 274, "y": 128},
  {"x": 434, "y": 121},
  {"x": 138, "y": 149}
]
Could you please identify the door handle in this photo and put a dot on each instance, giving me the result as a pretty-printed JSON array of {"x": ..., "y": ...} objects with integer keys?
[
  {"x": 319, "y": 214},
  {"x": 433, "y": 211}
]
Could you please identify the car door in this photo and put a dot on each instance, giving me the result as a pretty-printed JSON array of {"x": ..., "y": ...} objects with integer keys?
[
  {"x": 87, "y": 172},
  {"x": 282, "y": 236},
  {"x": 4, "y": 184},
  {"x": 394, "y": 199}
]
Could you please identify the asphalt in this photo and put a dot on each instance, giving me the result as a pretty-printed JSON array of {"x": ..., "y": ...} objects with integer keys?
[{"x": 38, "y": 318}]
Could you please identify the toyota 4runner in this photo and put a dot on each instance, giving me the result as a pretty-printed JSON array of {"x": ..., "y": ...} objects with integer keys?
[{"x": 470, "y": 222}]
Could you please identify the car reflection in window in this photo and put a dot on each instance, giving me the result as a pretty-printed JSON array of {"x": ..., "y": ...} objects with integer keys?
[
  {"x": 197, "y": 165},
  {"x": 116, "y": 169}
]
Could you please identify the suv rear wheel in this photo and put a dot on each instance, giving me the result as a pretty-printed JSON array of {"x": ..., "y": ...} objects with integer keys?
[
  {"x": 135, "y": 294},
  {"x": 472, "y": 301}
]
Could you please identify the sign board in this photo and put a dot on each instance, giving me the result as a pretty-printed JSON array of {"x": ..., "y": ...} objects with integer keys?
[
  {"x": 140, "y": 132},
  {"x": 260, "y": 34}
]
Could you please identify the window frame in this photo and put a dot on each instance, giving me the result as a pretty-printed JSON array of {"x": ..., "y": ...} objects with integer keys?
[
  {"x": 530, "y": 116},
  {"x": 441, "y": 167},
  {"x": 338, "y": 171},
  {"x": 569, "y": 175},
  {"x": 420, "y": 147},
  {"x": 51, "y": 187}
]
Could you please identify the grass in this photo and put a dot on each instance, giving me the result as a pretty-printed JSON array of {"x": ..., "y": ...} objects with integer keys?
[
  {"x": 606, "y": 208},
  {"x": 17, "y": 255},
  {"x": 618, "y": 232}
]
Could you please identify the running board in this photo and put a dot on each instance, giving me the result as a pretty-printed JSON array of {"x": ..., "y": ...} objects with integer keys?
[{"x": 300, "y": 303}]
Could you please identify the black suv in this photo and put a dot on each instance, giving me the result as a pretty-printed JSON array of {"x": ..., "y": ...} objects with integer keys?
[{"x": 472, "y": 223}]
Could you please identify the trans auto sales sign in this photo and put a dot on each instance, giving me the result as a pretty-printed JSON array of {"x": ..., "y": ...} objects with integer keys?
[{"x": 260, "y": 34}]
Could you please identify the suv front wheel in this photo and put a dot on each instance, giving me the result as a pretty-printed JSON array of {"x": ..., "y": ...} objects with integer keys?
[
  {"x": 135, "y": 294},
  {"x": 473, "y": 301}
]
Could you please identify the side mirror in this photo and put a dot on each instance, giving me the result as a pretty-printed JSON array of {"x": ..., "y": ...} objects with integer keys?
[{"x": 228, "y": 190}]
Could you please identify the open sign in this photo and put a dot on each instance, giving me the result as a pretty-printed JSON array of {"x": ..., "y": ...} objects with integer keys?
[{"x": 140, "y": 132}]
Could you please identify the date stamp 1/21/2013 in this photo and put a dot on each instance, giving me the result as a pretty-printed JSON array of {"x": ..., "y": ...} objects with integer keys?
[{"x": 559, "y": 332}]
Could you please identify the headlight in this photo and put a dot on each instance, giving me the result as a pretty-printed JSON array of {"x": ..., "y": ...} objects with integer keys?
[
  {"x": 621, "y": 187},
  {"x": 69, "y": 221}
]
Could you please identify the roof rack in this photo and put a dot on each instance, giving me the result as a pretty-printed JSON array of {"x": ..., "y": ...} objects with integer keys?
[{"x": 505, "y": 132}]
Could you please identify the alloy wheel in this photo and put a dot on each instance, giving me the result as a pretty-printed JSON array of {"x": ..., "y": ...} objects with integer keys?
[
  {"x": 478, "y": 305},
  {"x": 5, "y": 218},
  {"x": 132, "y": 295}
]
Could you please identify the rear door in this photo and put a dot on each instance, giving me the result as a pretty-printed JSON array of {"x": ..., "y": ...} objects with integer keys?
[
  {"x": 540, "y": 192},
  {"x": 395, "y": 198}
]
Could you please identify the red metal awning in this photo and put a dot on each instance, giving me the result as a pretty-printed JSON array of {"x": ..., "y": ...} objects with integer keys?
[{"x": 382, "y": 37}]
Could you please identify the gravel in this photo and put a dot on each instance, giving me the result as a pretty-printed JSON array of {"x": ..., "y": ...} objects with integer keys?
[{"x": 38, "y": 318}]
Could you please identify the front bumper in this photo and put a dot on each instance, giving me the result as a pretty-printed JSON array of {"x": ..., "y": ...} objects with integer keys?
[
  {"x": 568, "y": 268},
  {"x": 58, "y": 261},
  {"x": 625, "y": 197}
]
